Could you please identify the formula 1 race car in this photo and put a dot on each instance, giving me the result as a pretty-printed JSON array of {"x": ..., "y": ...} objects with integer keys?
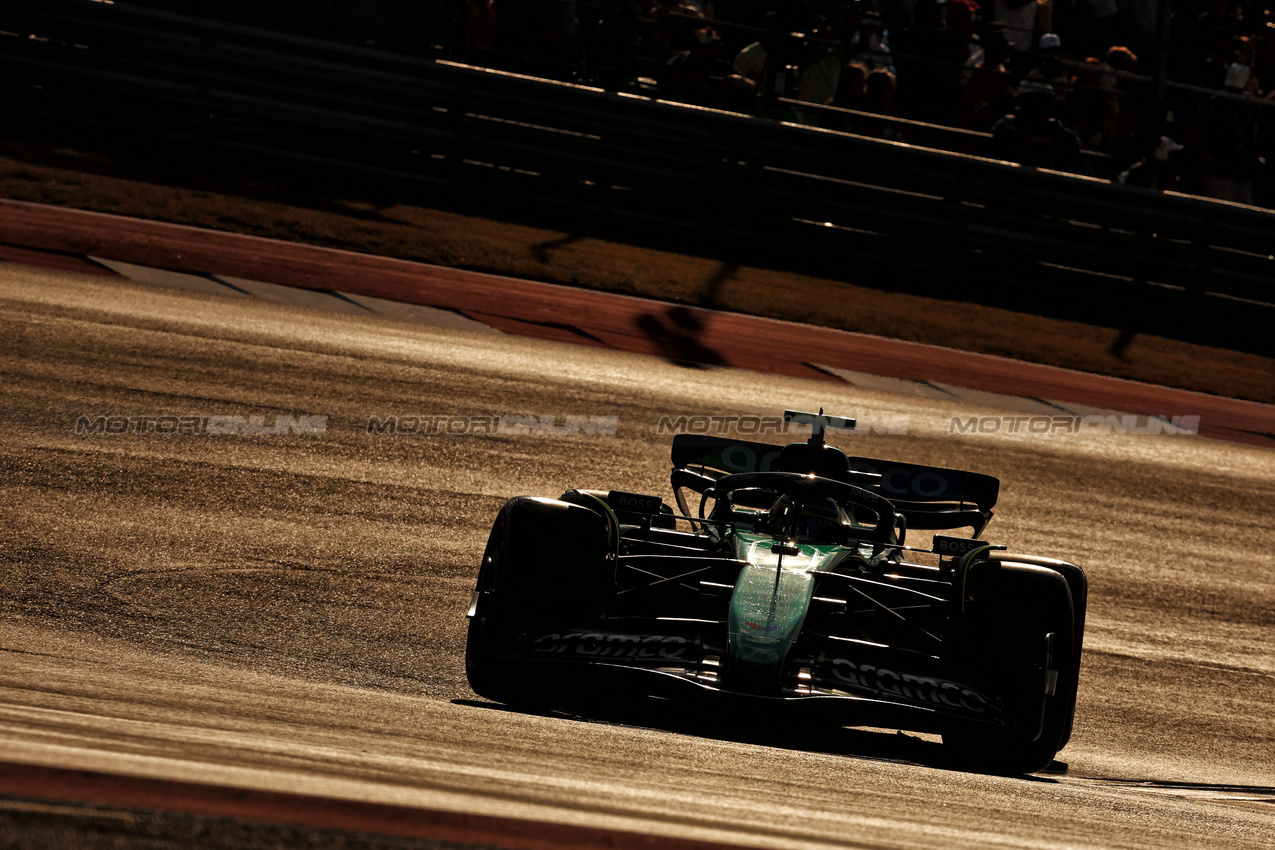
[{"x": 788, "y": 587}]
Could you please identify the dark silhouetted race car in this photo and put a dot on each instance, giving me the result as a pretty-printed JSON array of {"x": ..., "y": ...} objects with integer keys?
[{"x": 788, "y": 587}]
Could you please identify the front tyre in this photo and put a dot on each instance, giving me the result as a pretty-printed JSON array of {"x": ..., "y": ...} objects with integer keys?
[
  {"x": 544, "y": 568},
  {"x": 1018, "y": 631}
]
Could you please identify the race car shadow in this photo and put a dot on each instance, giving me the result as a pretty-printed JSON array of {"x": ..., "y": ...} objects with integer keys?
[{"x": 848, "y": 742}]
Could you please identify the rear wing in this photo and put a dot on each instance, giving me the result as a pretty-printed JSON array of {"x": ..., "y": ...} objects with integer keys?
[{"x": 928, "y": 497}]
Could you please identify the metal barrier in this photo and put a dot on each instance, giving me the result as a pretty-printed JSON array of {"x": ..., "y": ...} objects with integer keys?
[{"x": 750, "y": 190}]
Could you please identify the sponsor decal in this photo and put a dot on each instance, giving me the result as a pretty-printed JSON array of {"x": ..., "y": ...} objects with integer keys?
[
  {"x": 952, "y": 547},
  {"x": 636, "y": 502},
  {"x": 923, "y": 689},
  {"x": 912, "y": 481},
  {"x": 603, "y": 645}
]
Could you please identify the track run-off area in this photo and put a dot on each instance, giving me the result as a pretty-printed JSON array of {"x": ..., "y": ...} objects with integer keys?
[{"x": 262, "y": 628}]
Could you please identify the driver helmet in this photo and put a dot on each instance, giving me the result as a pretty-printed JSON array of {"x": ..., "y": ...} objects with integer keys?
[
  {"x": 779, "y": 518},
  {"x": 819, "y": 520}
]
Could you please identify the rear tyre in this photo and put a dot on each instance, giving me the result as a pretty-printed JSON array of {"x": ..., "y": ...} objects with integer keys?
[
  {"x": 544, "y": 569},
  {"x": 1018, "y": 648}
]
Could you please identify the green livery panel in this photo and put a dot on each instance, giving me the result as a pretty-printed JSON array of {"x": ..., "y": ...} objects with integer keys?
[{"x": 767, "y": 609}]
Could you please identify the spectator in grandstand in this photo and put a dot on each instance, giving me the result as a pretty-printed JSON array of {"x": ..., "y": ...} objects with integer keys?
[
  {"x": 1047, "y": 67},
  {"x": 879, "y": 99},
  {"x": 866, "y": 42},
  {"x": 750, "y": 63},
  {"x": 1050, "y": 54},
  {"x": 853, "y": 86},
  {"x": 688, "y": 8},
  {"x": 675, "y": 25},
  {"x": 1090, "y": 113},
  {"x": 963, "y": 18},
  {"x": 1084, "y": 26},
  {"x": 1204, "y": 45},
  {"x": 852, "y": 92},
  {"x": 929, "y": 59},
  {"x": 1157, "y": 171},
  {"x": 1094, "y": 109},
  {"x": 1032, "y": 135},
  {"x": 1118, "y": 60},
  {"x": 1264, "y": 51},
  {"x": 820, "y": 66},
  {"x": 1222, "y": 159},
  {"x": 765, "y": 63},
  {"x": 796, "y": 63},
  {"x": 1024, "y": 20},
  {"x": 701, "y": 76},
  {"x": 697, "y": 8},
  {"x": 1239, "y": 72},
  {"x": 989, "y": 86}
]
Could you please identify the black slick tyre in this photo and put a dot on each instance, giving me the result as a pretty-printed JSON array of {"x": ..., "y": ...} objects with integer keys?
[
  {"x": 1019, "y": 648},
  {"x": 544, "y": 568}
]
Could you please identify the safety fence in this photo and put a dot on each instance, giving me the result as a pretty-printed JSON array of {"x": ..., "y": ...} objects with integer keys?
[{"x": 742, "y": 188}]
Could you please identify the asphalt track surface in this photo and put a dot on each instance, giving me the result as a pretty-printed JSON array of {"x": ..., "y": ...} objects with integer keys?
[
  {"x": 78, "y": 240},
  {"x": 278, "y": 619}
]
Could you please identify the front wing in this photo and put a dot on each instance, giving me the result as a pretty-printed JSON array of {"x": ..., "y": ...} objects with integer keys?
[{"x": 844, "y": 683}]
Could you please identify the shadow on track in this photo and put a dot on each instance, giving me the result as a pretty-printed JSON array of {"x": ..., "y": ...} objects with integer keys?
[
  {"x": 766, "y": 731},
  {"x": 1217, "y": 792},
  {"x": 674, "y": 332}
]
